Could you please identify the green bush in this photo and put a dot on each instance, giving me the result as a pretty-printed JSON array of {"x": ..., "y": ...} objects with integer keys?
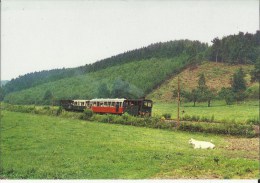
[
  {"x": 167, "y": 116},
  {"x": 186, "y": 117},
  {"x": 98, "y": 117},
  {"x": 119, "y": 120},
  {"x": 165, "y": 125},
  {"x": 218, "y": 128},
  {"x": 59, "y": 111},
  {"x": 253, "y": 91},
  {"x": 253, "y": 121},
  {"x": 87, "y": 114}
]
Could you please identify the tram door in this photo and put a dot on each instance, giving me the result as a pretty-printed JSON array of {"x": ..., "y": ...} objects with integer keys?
[{"x": 117, "y": 107}]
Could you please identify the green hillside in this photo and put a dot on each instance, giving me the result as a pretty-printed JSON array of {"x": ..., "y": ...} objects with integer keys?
[
  {"x": 137, "y": 72},
  {"x": 217, "y": 75},
  {"x": 169, "y": 49},
  {"x": 141, "y": 77}
]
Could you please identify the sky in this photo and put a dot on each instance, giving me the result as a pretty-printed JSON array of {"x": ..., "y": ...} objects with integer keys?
[{"x": 44, "y": 34}]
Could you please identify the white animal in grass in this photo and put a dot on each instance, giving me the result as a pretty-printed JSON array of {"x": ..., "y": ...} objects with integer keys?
[{"x": 201, "y": 144}]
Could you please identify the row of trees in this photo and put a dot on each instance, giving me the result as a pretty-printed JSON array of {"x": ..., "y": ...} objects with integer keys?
[
  {"x": 202, "y": 93},
  {"x": 236, "y": 49},
  {"x": 159, "y": 50}
]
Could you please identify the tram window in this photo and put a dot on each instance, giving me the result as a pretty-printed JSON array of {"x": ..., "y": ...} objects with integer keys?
[
  {"x": 105, "y": 103},
  {"x": 147, "y": 104},
  {"x": 113, "y": 104}
]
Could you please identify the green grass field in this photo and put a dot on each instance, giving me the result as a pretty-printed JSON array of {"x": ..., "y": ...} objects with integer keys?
[
  {"x": 40, "y": 147},
  {"x": 222, "y": 113}
]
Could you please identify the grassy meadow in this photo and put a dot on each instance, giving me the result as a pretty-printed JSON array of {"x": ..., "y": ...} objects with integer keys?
[
  {"x": 241, "y": 112},
  {"x": 39, "y": 147}
]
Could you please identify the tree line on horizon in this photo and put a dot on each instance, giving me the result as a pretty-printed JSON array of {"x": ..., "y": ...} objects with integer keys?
[{"x": 236, "y": 49}]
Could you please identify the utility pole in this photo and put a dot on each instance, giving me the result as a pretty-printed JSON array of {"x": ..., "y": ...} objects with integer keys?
[{"x": 178, "y": 111}]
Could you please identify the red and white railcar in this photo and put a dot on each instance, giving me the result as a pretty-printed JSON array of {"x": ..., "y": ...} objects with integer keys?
[{"x": 112, "y": 106}]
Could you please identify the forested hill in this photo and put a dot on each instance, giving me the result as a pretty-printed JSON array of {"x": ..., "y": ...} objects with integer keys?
[
  {"x": 36, "y": 78},
  {"x": 166, "y": 50},
  {"x": 158, "y": 50},
  {"x": 3, "y": 82},
  {"x": 243, "y": 48}
]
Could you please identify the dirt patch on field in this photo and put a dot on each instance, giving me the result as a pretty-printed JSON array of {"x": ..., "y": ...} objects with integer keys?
[
  {"x": 247, "y": 144},
  {"x": 243, "y": 147}
]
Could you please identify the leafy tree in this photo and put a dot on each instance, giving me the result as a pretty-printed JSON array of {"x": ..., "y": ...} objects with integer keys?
[
  {"x": 239, "y": 85},
  {"x": 238, "y": 81},
  {"x": 208, "y": 95},
  {"x": 193, "y": 96},
  {"x": 200, "y": 94},
  {"x": 227, "y": 94},
  {"x": 183, "y": 95},
  {"x": 202, "y": 87},
  {"x": 216, "y": 47},
  {"x": 205, "y": 94}
]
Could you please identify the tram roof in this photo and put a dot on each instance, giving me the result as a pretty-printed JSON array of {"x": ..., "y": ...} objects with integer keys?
[
  {"x": 108, "y": 100},
  {"x": 80, "y": 100}
]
